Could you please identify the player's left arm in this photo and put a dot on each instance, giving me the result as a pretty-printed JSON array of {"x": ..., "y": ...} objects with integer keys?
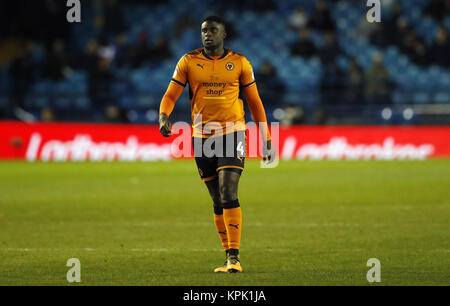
[
  {"x": 247, "y": 80},
  {"x": 259, "y": 116}
]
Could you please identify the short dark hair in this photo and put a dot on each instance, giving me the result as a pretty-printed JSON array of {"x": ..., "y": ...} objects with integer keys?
[{"x": 215, "y": 18}]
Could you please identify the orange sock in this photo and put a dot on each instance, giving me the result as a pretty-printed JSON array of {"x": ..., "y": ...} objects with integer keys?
[
  {"x": 233, "y": 222},
  {"x": 222, "y": 230}
]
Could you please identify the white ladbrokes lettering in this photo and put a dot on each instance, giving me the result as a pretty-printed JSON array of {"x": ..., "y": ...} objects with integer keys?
[
  {"x": 338, "y": 148},
  {"x": 82, "y": 148}
]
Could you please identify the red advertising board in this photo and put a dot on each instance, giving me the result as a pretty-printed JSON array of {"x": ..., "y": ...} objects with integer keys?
[{"x": 97, "y": 142}]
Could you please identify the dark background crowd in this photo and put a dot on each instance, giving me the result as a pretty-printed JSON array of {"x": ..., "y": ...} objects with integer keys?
[{"x": 315, "y": 62}]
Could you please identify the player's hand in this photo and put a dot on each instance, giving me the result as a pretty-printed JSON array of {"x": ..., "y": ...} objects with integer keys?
[
  {"x": 165, "y": 125},
  {"x": 269, "y": 153}
]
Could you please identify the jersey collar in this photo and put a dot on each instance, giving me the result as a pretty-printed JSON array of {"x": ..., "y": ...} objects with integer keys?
[{"x": 225, "y": 52}]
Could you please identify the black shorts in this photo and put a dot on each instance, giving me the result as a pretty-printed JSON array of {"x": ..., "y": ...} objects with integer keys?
[{"x": 218, "y": 153}]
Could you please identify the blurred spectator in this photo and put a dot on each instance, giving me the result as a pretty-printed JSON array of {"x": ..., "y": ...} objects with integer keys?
[
  {"x": 363, "y": 29},
  {"x": 50, "y": 26},
  {"x": 106, "y": 49},
  {"x": 298, "y": 19},
  {"x": 22, "y": 73},
  {"x": 57, "y": 66},
  {"x": 188, "y": 32},
  {"x": 122, "y": 51},
  {"x": 142, "y": 51},
  {"x": 379, "y": 36},
  {"x": 100, "y": 84},
  {"x": 437, "y": 9},
  {"x": 440, "y": 51},
  {"x": 354, "y": 83},
  {"x": 160, "y": 51},
  {"x": 293, "y": 114},
  {"x": 321, "y": 18},
  {"x": 416, "y": 50},
  {"x": 332, "y": 84},
  {"x": 47, "y": 114},
  {"x": 231, "y": 32},
  {"x": 377, "y": 85},
  {"x": 398, "y": 36},
  {"x": 190, "y": 39},
  {"x": 113, "y": 114},
  {"x": 304, "y": 46},
  {"x": 227, "y": 6},
  {"x": 113, "y": 17},
  {"x": 88, "y": 59},
  {"x": 330, "y": 49},
  {"x": 390, "y": 26},
  {"x": 270, "y": 87},
  {"x": 261, "y": 5},
  {"x": 184, "y": 22}
]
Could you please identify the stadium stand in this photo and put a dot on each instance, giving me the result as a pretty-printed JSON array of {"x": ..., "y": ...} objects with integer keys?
[{"x": 115, "y": 65}]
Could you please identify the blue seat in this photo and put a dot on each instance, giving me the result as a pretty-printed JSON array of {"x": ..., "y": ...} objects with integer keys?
[
  {"x": 42, "y": 87},
  {"x": 78, "y": 75},
  {"x": 63, "y": 88},
  {"x": 447, "y": 23},
  {"x": 37, "y": 101},
  {"x": 5, "y": 85},
  {"x": 421, "y": 97},
  {"x": 399, "y": 97},
  {"x": 441, "y": 97},
  {"x": 63, "y": 102},
  {"x": 145, "y": 100},
  {"x": 293, "y": 83},
  {"x": 415, "y": 15},
  {"x": 127, "y": 101},
  {"x": 4, "y": 101},
  {"x": 82, "y": 102}
]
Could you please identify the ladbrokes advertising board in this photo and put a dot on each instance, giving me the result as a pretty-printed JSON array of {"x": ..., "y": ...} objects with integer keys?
[{"x": 120, "y": 142}]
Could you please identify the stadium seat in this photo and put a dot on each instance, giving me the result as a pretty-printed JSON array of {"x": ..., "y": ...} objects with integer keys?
[
  {"x": 36, "y": 101},
  {"x": 442, "y": 97},
  {"x": 4, "y": 102},
  {"x": 399, "y": 97},
  {"x": 421, "y": 97},
  {"x": 82, "y": 102}
]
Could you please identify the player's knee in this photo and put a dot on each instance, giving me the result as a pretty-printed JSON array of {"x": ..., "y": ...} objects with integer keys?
[{"x": 227, "y": 193}]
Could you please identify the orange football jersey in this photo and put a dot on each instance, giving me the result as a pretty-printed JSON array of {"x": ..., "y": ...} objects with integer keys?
[{"x": 214, "y": 89}]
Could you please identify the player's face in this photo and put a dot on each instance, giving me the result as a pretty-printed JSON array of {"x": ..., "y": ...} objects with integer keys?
[{"x": 213, "y": 34}]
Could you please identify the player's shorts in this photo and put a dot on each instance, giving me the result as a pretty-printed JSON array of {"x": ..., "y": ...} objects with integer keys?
[{"x": 218, "y": 153}]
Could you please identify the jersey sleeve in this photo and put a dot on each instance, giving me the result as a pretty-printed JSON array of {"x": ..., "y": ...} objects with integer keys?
[
  {"x": 247, "y": 77},
  {"x": 257, "y": 110},
  {"x": 180, "y": 74},
  {"x": 170, "y": 98}
]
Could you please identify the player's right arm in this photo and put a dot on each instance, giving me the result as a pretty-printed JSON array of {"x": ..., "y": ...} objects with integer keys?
[{"x": 171, "y": 96}]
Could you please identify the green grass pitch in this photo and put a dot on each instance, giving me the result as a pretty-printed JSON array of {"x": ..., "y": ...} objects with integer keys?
[{"x": 304, "y": 223}]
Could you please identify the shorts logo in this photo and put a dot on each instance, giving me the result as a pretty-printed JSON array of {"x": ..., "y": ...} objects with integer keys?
[{"x": 229, "y": 66}]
